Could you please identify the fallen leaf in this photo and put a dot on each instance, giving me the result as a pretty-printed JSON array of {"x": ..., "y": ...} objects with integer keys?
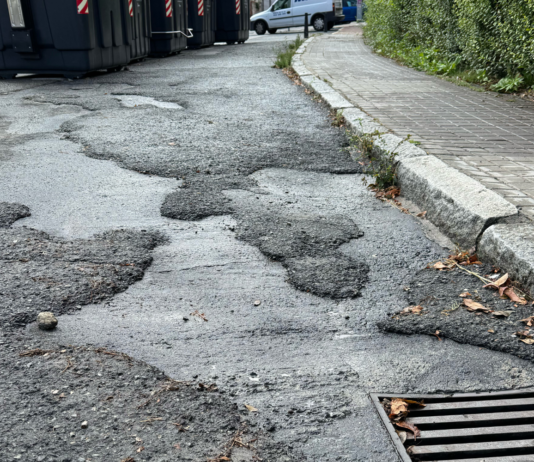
[
  {"x": 465, "y": 294},
  {"x": 402, "y": 436},
  {"x": 251, "y": 408},
  {"x": 421, "y": 215},
  {"x": 399, "y": 409},
  {"x": 523, "y": 333},
  {"x": 529, "y": 321},
  {"x": 199, "y": 315},
  {"x": 474, "y": 306},
  {"x": 509, "y": 292},
  {"x": 499, "y": 282},
  {"x": 140, "y": 448},
  {"x": 528, "y": 341},
  {"x": 436, "y": 334},
  {"x": 412, "y": 309},
  {"x": 410, "y": 427},
  {"x": 439, "y": 265},
  {"x": 502, "y": 313},
  {"x": 491, "y": 331}
]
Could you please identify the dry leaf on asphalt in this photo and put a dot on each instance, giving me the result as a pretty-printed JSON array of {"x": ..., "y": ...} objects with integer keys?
[
  {"x": 499, "y": 282},
  {"x": 491, "y": 331},
  {"x": 441, "y": 266},
  {"x": 528, "y": 341},
  {"x": 412, "y": 309},
  {"x": 509, "y": 292},
  {"x": 529, "y": 321},
  {"x": 474, "y": 306},
  {"x": 251, "y": 408},
  {"x": 421, "y": 215},
  {"x": 523, "y": 333},
  {"x": 410, "y": 427},
  {"x": 504, "y": 314},
  {"x": 465, "y": 294}
]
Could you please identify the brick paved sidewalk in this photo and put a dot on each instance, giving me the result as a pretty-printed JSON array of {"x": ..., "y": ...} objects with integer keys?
[{"x": 487, "y": 136}]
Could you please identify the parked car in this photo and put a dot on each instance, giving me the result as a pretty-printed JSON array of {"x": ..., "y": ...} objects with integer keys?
[
  {"x": 322, "y": 15},
  {"x": 350, "y": 11}
]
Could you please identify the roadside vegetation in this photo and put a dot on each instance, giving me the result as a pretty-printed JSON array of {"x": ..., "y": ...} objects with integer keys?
[
  {"x": 490, "y": 44},
  {"x": 285, "y": 53}
]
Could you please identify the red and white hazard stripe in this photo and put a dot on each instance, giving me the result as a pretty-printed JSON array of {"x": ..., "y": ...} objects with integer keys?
[
  {"x": 83, "y": 6},
  {"x": 130, "y": 7},
  {"x": 201, "y": 7},
  {"x": 168, "y": 8},
  {"x": 237, "y": 6}
]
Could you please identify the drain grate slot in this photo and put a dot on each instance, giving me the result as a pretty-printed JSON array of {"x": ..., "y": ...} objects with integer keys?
[{"x": 497, "y": 427}]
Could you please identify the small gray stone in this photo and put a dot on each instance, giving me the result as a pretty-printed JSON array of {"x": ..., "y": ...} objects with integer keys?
[
  {"x": 46, "y": 320},
  {"x": 84, "y": 424}
]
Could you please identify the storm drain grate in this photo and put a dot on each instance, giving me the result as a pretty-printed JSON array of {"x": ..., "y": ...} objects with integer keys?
[{"x": 468, "y": 427}]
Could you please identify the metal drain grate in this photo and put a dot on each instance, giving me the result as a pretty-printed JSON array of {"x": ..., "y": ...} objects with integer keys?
[{"x": 468, "y": 427}]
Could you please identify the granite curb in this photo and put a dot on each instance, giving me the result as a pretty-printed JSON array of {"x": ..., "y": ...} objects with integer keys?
[{"x": 460, "y": 206}]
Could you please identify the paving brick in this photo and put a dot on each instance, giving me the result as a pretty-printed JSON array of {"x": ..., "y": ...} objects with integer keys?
[{"x": 489, "y": 137}]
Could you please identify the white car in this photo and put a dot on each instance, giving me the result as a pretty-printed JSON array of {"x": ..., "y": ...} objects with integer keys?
[{"x": 322, "y": 15}]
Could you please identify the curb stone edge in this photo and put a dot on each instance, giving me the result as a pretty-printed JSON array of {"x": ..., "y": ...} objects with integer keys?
[{"x": 460, "y": 206}]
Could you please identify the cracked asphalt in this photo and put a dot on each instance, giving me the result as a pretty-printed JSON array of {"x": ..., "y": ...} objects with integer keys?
[{"x": 223, "y": 184}]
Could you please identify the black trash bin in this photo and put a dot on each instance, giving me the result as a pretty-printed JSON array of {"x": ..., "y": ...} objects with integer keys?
[
  {"x": 169, "y": 27},
  {"x": 136, "y": 17},
  {"x": 69, "y": 37},
  {"x": 233, "y": 21},
  {"x": 201, "y": 18}
]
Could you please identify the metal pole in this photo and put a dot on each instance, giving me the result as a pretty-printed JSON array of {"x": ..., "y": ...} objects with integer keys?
[
  {"x": 306, "y": 35},
  {"x": 359, "y": 11}
]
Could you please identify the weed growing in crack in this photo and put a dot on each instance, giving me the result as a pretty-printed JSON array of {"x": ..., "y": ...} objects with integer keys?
[
  {"x": 337, "y": 118},
  {"x": 380, "y": 166},
  {"x": 285, "y": 53}
]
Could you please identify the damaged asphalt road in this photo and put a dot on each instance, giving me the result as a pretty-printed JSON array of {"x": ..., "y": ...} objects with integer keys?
[
  {"x": 438, "y": 292},
  {"x": 276, "y": 266}
]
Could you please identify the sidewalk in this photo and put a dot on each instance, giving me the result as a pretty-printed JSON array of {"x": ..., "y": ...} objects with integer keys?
[{"x": 487, "y": 136}]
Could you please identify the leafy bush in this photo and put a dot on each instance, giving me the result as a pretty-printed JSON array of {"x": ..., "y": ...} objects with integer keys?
[
  {"x": 285, "y": 53},
  {"x": 490, "y": 39}
]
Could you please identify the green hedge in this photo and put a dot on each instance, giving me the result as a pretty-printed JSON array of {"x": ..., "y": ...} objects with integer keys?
[{"x": 494, "y": 37}]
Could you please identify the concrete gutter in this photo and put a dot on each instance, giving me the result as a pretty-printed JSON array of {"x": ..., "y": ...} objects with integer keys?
[{"x": 461, "y": 207}]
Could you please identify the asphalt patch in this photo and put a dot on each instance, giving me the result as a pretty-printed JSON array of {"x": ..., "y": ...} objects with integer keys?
[
  {"x": 11, "y": 212},
  {"x": 438, "y": 292},
  {"x": 45, "y": 273},
  {"x": 307, "y": 246},
  {"x": 76, "y": 403},
  {"x": 226, "y": 133}
]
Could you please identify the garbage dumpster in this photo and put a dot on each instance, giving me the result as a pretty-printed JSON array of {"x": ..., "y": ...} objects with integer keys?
[
  {"x": 136, "y": 16},
  {"x": 69, "y": 37},
  {"x": 169, "y": 27},
  {"x": 201, "y": 20},
  {"x": 233, "y": 21}
]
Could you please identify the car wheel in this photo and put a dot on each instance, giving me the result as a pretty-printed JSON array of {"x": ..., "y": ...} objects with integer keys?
[
  {"x": 272, "y": 31},
  {"x": 260, "y": 28},
  {"x": 318, "y": 23}
]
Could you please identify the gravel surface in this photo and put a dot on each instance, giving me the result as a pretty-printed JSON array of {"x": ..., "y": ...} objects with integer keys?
[
  {"x": 86, "y": 404},
  {"x": 438, "y": 292}
]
